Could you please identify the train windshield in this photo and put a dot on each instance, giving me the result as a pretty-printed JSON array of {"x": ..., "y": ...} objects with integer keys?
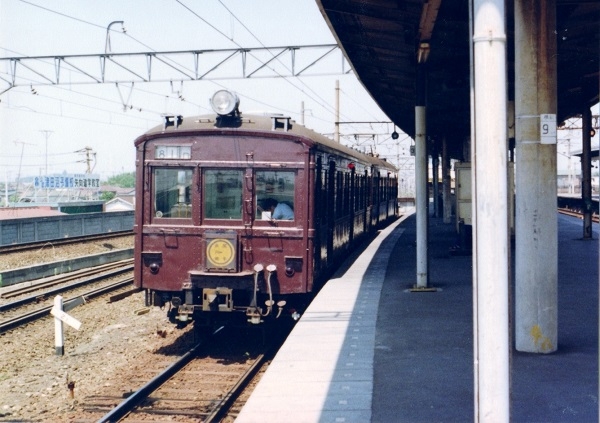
[
  {"x": 223, "y": 194},
  {"x": 172, "y": 195},
  {"x": 275, "y": 195}
]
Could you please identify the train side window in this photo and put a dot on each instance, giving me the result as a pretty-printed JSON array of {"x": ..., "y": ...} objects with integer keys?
[
  {"x": 172, "y": 194},
  {"x": 275, "y": 189},
  {"x": 223, "y": 194}
]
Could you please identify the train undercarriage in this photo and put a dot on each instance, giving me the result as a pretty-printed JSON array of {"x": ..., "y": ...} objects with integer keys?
[{"x": 212, "y": 299}]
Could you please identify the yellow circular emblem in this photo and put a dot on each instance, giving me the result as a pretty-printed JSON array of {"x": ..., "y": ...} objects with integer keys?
[{"x": 220, "y": 252}]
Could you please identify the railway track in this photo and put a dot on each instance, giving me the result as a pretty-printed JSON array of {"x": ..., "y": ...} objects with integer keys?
[
  {"x": 78, "y": 278},
  {"x": 92, "y": 276},
  {"x": 578, "y": 214},
  {"x": 159, "y": 398},
  {"x": 201, "y": 385}
]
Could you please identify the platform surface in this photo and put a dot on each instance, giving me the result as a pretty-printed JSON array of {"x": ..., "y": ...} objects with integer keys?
[{"x": 370, "y": 350}]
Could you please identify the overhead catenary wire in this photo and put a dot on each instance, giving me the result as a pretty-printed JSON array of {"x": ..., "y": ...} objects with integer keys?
[
  {"x": 63, "y": 14},
  {"x": 263, "y": 45},
  {"x": 318, "y": 99},
  {"x": 72, "y": 91},
  {"x": 146, "y": 46},
  {"x": 126, "y": 106},
  {"x": 326, "y": 106},
  {"x": 174, "y": 104}
]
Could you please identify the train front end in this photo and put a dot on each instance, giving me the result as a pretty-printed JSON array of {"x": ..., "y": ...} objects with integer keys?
[{"x": 222, "y": 217}]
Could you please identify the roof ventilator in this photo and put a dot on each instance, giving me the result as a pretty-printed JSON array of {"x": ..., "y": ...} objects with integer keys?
[
  {"x": 175, "y": 121},
  {"x": 281, "y": 122}
]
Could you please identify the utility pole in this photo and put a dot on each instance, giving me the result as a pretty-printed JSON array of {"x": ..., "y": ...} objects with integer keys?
[
  {"x": 5, "y": 188},
  {"x": 20, "y": 163},
  {"x": 336, "y": 135},
  {"x": 90, "y": 155},
  {"x": 570, "y": 167},
  {"x": 47, "y": 134}
]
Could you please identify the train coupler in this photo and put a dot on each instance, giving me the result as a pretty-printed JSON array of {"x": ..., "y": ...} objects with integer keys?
[
  {"x": 217, "y": 299},
  {"x": 254, "y": 315}
]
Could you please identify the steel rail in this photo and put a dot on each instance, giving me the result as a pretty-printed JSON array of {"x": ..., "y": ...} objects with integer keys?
[
  {"x": 45, "y": 311},
  {"x": 126, "y": 406},
  {"x": 223, "y": 405},
  {"x": 228, "y": 400},
  {"x": 96, "y": 272}
]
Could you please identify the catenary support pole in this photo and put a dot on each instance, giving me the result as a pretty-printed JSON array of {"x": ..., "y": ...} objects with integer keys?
[
  {"x": 446, "y": 183},
  {"x": 490, "y": 231},
  {"x": 586, "y": 171},
  {"x": 421, "y": 191},
  {"x": 536, "y": 227},
  {"x": 435, "y": 176},
  {"x": 336, "y": 134}
]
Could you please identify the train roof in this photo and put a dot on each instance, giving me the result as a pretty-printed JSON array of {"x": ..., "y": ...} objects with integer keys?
[{"x": 255, "y": 123}]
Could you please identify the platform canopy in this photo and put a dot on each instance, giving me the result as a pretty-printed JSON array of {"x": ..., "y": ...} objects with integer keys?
[{"x": 383, "y": 38}]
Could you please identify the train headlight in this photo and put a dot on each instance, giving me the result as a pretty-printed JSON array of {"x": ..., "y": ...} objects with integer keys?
[{"x": 225, "y": 102}]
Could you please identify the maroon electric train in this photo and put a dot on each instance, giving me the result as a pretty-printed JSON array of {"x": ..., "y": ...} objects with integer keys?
[{"x": 246, "y": 216}]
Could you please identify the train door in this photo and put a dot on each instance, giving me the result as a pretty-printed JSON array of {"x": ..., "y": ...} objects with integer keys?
[
  {"x": 275, "y": 225},
  {"x": 319, "y": 213},
  {"x": 330, "y": 212},
  {"x": 168, "y": 219},
  {"x": 352, "y": 203}
]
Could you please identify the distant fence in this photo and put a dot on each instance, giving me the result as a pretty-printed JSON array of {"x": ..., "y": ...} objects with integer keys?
[
  {"x": 35, "y": 229},
  {"x": 577, "y": 204}
]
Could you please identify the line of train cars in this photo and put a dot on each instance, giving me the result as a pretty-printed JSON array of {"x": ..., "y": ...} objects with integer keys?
[{"x": 210, "y": 241}]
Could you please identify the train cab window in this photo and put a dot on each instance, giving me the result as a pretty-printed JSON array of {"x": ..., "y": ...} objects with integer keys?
[
  {"x": 275, "y": 195},
  {"x": 172, "y": 194},
  {"x": 223, "y": 194}
]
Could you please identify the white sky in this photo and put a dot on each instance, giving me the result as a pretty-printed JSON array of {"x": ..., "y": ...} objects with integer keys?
[
  {"x": 68, "y": 118},
  {"x": 72, "y": 117}
]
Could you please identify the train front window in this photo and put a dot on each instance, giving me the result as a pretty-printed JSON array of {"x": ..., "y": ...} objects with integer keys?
[
  {"x": 275, "y": 195},
  {"x": 223, "y": 194},
  {"x": 172, "y": 194}
]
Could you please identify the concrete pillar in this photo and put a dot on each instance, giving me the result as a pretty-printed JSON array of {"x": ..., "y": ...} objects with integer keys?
[
  {"x": 446, "y": 183},
  {"x": 421, "y": 191},
  {"x": 536, "y": 233},
  {"x": 490, "y": 215},
  {"x": 586, "y": 171},
  {"x": 435, "y": 179}
]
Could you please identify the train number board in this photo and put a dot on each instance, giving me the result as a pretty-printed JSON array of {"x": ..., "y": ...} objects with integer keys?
[{"x": 171, "y": 152}]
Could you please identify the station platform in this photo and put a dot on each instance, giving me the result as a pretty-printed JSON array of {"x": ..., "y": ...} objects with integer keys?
[{"x": 370, "y": 350}]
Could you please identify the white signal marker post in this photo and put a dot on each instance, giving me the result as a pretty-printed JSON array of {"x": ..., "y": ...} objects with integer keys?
[{"x": 59, "y": 317}]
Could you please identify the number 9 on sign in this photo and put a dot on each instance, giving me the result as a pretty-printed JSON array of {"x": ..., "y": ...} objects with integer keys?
[{"x": 548, "y": 129}]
